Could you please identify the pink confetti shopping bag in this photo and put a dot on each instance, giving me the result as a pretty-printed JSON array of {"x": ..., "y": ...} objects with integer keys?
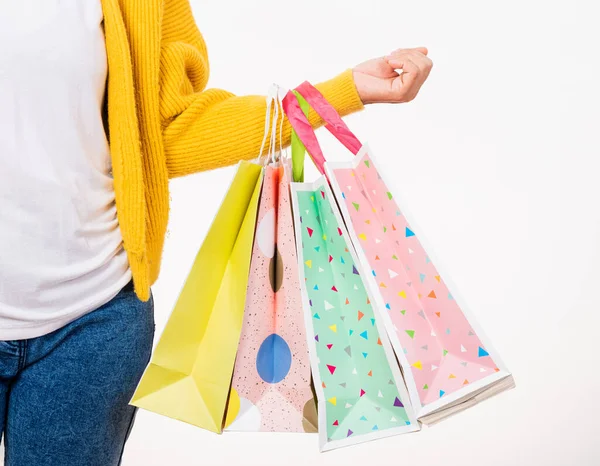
[
  {"x": 271, "y": 386},
  {"x": 448, "y": 363}
]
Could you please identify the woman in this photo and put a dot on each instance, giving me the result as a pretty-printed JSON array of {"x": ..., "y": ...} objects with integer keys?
[{"x": 101, "y": 103}]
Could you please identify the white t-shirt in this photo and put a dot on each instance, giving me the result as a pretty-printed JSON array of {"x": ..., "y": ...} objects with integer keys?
[{"x": 61, "y": 252}]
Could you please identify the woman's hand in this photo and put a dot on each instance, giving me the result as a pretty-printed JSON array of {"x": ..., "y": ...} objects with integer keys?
[{"x": 377, "y": 80}]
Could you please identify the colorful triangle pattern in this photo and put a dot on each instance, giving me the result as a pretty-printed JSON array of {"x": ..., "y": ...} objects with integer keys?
[
  {"x": 427, "y": 323},
  {"x": 352, "y": 361}
]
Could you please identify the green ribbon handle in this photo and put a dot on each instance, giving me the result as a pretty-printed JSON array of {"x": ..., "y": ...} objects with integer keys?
[{"x": 298, "y": 149}]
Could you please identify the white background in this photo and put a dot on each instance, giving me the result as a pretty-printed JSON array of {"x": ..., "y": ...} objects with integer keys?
[{"x": 498, "y": 159}]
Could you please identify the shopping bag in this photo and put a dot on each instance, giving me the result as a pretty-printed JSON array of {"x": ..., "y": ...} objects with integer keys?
[
  {"x": 189, "y": 375},
  {"x": 271, "y": 387},
  {"x": 360, "y": 392},
  {"x": 448, "y": 363}
]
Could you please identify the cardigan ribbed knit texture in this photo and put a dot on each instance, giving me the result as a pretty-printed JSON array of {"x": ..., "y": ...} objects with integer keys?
[{"x": 163, "y": 122}]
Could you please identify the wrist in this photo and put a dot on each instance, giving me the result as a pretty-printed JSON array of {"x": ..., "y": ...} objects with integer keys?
[
  {"x": 341, "y": 93},
  {"x": 362, "y": 87}
]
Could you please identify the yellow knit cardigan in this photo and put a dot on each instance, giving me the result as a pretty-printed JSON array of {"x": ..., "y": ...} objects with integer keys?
[{"x": 163, "y": 123}]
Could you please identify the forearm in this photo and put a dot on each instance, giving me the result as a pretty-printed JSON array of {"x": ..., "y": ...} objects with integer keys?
[{"x": 219, "y": 129}]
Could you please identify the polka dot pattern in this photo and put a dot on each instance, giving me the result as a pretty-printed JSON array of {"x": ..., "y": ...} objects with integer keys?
[
  {"x": 272, "y": 369},
  {"x": 274, "y": 359}
]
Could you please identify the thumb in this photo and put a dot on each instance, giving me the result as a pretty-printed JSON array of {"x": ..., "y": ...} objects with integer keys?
[{"x": 423, "y": 50}]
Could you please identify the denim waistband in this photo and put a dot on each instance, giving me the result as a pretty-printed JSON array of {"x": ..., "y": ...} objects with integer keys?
[{"x": 128, "y": 287}]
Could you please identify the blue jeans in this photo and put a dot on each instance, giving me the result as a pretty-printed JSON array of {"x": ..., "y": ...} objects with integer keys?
[{"x": 64, "y": 396}]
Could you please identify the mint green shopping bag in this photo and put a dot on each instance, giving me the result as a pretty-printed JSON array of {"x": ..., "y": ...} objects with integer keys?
[{"x": 360, "y": 391}]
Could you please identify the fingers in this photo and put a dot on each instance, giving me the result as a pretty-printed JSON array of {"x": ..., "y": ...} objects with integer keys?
[
  {"x": 421, "y": 60},
  {"x": 415, "y": 69},
  {"x": 410, "y": 64},
  {"x": 411, "y": 77},
  {"x": 417, "y": 54},
  {"x": 406, "y": 64}
]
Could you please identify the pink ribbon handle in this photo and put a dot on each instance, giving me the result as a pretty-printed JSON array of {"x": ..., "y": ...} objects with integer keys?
[
  {"x": 333, "y": 120},
  {"x": 303, "y": 128}
]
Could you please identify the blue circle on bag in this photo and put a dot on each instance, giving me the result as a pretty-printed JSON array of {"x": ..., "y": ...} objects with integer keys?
[{"x": 274, "y": 359}]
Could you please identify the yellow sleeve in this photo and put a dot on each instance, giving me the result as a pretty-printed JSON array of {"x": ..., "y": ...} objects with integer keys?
[{"x": 210, "y": 128}]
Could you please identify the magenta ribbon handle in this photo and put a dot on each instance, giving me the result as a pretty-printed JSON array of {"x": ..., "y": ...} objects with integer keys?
[
  {"x": 303, "y": 129},
  {"x": 334, "y": 123}
]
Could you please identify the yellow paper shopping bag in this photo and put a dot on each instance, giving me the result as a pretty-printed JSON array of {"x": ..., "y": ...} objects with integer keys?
[{"x": 189, "y": 375}]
